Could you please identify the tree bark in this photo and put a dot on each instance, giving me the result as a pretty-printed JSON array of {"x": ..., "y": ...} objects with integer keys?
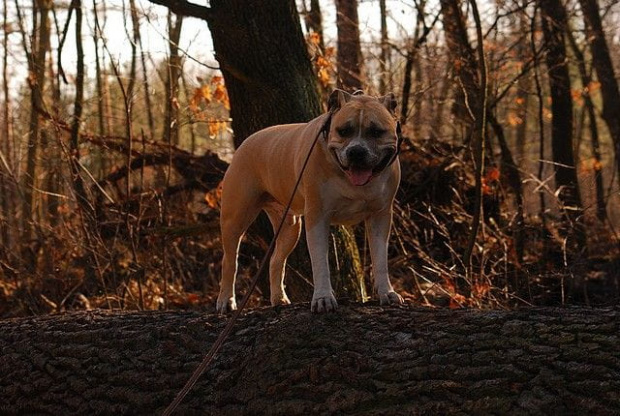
[
  {"x": 601, "y": 59},
  {"x": 36, "y": 68},
  {"x": 265, "y": 63},
  {"x": 586, "y": 79},
  {"x": 314, "y": 21},
  {"x": 174, "y": 66},
  {"x": 385, "y": 83},
  {"x": 464, "y": 65},
  {"x": 285, "y": 361},
  {"x": 349, "y": 56},
  {"x": 7, "y": 187},
  {"x": 554, "y": 23}
]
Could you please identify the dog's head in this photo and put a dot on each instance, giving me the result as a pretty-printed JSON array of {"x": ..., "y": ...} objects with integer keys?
[{"x": 363, "y": 135}]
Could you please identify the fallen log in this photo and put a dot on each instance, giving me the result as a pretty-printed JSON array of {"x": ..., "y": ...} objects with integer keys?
[{"x": 364, "y": 359}]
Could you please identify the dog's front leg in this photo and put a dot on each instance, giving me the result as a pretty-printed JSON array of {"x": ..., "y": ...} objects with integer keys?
[
  {"x": 378, "y": 234},
  {"x": 317, "y": 235}
]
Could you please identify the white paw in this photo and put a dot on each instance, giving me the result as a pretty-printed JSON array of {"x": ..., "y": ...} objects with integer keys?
[
  {"x": 321, "y": 303},
  {"x": 226, "y": 304},
  {"x": 390, "y": 298}
]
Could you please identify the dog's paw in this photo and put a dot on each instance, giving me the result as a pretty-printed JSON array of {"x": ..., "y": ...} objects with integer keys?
[
  {"x": 390, "y": 298},
  {"x": 226, "y": 304},
  {"x": 321, "y": 304},
  {"x": 279, "y": 300}
]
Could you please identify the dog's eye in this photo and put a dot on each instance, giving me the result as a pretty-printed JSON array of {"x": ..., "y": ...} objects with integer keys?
[
  {"x": 346, "y": 131},
  {"x": 375, "y": 132}
]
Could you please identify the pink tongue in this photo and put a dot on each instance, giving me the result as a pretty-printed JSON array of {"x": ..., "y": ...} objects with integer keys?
[{"x": 359, "y": 177}]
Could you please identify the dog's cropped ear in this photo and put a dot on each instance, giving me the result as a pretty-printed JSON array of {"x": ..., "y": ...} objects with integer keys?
[
  {"x": 389, "y": 101},
  {"x": 337, "y": 99}
]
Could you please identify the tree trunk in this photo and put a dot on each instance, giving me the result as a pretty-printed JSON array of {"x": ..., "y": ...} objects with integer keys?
[
  {"x": 479, "y": 136},
  {"x": 36, "y": 67},
  {"x": 286, "y": 361},
  {"x": 102, "y": 92},
  {"x": 523, "y": 92},
  {"x": 174, "y": 68},
  {"x": 554, "y": 23},
  {"x": 263, "y": 57},
  {"x": 464, "y": 65},
  {"x": 78, "y": 183},
  {"x": 586, "y": 79},
  {"x": 7, "y": 186},
  {"x": 601, "y": 60},
  {"x": 314, "y": 21},
  {"x": 412, "y": 60},
  {"x": 385, "y": 83},
  {"x": 349, "y": 56}
]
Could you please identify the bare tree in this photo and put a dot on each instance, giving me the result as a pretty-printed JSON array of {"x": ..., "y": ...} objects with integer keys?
[
  {"x": 554, "y": 24},
  {"x": 350, "y": 60},
  {"x": 589, "y": 109},
  {"x": 384, "y": 75},
  {"x": 101, "y": 85},
  {"x": 314, "y": 20},
  {"x": 7, "y": 193},
  {"x": 173, "y": 72},
  {"x": 602, "y": 62},
  {"x": 36, "y": 67}
]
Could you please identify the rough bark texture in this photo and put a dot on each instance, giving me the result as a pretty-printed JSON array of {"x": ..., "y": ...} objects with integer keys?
[
  {"x": 349, "y": 55},
  {"x": 601, "y": 59},
  {"x": 285, "y": 361},
  {"x": 263, "y": 56},
  {"x": 554, "y": 23},
  {"x": 463, "y": 64}
]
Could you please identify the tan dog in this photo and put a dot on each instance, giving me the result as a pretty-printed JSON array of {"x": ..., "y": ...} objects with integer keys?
[{"x": 351, "y": 176}]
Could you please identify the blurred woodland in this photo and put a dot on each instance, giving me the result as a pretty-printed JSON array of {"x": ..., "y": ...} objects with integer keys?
[{"x": 109, "y": 167}]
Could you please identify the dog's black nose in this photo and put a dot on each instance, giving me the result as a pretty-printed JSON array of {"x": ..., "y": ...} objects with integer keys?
[{"x": 357, "y": 154}]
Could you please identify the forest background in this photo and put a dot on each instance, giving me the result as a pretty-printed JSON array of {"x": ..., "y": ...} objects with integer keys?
[{"x": 119, "y": 119}]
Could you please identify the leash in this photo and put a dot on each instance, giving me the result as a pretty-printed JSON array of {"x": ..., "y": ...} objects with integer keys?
[{"x": 208, "y": 358}]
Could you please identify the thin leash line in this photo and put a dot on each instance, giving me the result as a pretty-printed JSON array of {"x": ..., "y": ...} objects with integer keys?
[{"x": 208, "y": 358}]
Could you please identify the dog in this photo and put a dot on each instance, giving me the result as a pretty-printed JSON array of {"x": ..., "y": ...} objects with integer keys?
[{"x": 351, "y": 175}]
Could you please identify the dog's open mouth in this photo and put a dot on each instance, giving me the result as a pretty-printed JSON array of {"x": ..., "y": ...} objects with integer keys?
[{"x": 359, "y": 176}]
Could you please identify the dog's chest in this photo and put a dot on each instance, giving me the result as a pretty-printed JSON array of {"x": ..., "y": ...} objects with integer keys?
[{"x": 348, "y": 210}]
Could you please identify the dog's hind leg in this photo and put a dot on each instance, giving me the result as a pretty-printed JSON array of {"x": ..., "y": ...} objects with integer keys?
[
  {"x": 238, "y": 211},
  {"x": 285, "y": 243}
]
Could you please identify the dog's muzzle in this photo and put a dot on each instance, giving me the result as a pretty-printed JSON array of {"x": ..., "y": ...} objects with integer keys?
[{"x": 360, "y": 166}]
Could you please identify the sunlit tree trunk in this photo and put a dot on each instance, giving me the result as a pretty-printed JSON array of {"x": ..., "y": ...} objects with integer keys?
[
  {"x": 350, "y": 60},
  {"x": 50, "y": 140},
  {"x": 147, "y": 91},
  {"x": 102, "y": 93},
  {"x": 173, "y": 72},
  {"x": 36, "y": 67},
  {"x": 7, "y": 194},
  {"x": 384, "y": 60},
  {"x": 78, "y": 108}
]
